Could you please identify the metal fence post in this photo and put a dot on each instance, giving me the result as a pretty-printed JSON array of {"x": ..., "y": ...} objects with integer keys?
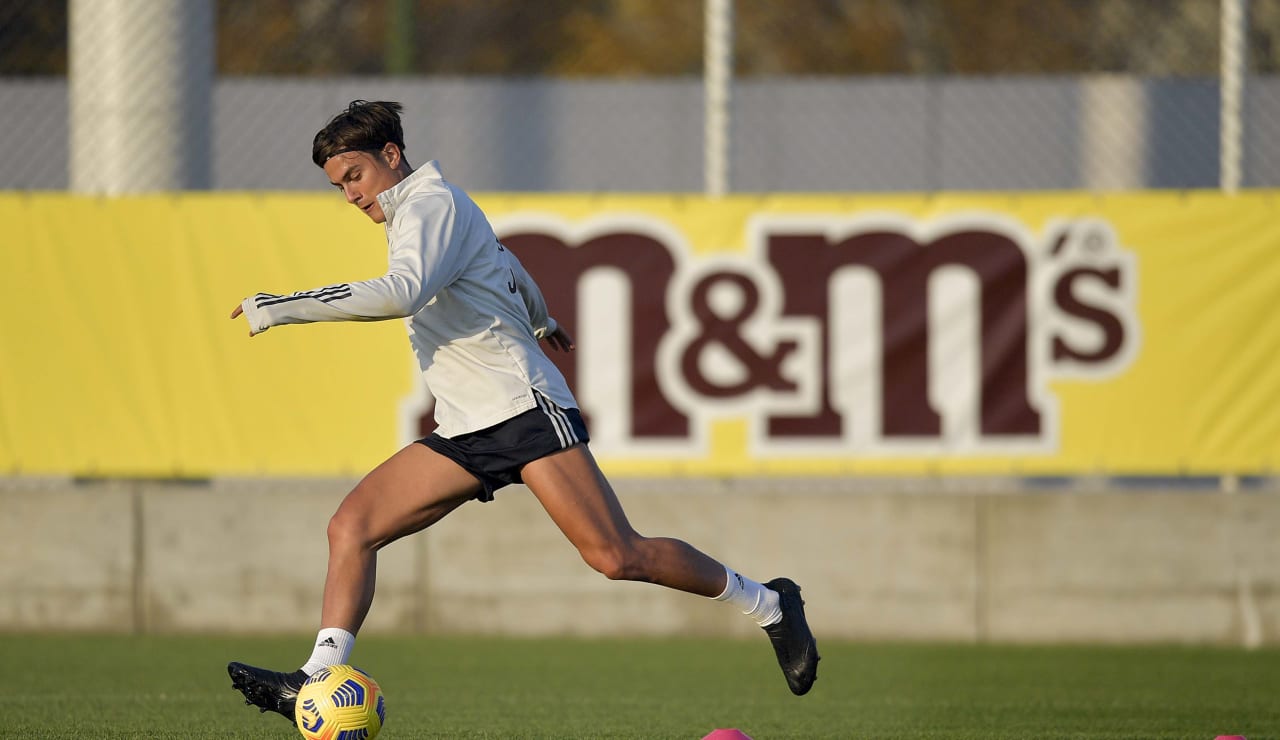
[
  {"x": 141, "y": 87},
  {"x": 717, "y": 84},
  {"x": 1232, "y": 85}
]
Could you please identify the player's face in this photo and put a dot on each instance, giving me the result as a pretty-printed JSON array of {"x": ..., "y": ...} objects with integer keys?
[{"x": 362, "y": 175}]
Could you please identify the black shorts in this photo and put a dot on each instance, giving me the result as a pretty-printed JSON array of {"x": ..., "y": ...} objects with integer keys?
[{"x": 496, "y": 455}]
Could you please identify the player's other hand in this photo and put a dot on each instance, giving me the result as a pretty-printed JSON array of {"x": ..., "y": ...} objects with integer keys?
[{"x": 560, "y": 340}]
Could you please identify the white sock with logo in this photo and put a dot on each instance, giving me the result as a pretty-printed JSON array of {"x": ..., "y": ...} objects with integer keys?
[
  {"x": 756, "y": 601},
  {"x": 333, "y": 647}
]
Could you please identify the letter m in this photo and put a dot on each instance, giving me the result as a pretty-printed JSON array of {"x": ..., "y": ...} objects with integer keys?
[{"x": 806, "y": 263}]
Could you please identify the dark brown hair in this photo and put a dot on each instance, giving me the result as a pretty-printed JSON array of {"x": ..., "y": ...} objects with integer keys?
[{"x": 362, "y": 127}]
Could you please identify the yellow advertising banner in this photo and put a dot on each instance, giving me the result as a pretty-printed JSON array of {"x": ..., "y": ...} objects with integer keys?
[{"x": 773, "y": 335}]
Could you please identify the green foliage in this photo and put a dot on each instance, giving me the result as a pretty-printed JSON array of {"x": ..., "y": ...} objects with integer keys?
[
  {"x": 176, "y": 687},
  {"x": 663, "y": 38}
]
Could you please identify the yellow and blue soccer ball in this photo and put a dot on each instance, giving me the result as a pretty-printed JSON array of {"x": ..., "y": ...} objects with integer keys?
[{"x": 340, "y": 702}]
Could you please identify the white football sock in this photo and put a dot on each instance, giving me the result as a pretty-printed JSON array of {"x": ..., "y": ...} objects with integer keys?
[
  {"x": 333, "y": 647},
  {"x": 756, "y": 601}
]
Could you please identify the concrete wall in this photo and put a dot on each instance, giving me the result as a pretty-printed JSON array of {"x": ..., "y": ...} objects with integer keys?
[{"x": 909, "y": 560}]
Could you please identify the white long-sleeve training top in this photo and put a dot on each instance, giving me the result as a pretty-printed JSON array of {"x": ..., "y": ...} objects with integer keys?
[{"x": 474, "y": 314}]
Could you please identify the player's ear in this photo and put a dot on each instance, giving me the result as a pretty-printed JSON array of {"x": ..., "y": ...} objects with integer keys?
[{"x": 391, "y": 155}]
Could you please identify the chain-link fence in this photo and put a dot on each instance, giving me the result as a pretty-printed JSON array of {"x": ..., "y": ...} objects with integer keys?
[{"x": 609, "y": 94}]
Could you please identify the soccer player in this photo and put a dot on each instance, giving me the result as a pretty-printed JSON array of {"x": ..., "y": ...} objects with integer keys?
[{"x": 504, "y": 413}]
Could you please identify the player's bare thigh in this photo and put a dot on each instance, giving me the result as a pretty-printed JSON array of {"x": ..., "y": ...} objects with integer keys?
[
  {"x": 579, "y": 499},
  {"x": 410, "y": 491}
]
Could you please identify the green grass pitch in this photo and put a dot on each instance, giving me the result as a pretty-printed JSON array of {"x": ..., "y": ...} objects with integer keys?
[{"x": 114, "y": 686}]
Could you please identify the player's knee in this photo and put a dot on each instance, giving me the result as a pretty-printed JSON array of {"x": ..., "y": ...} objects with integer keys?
[
  {"x": 339, "y": 530},
  {"x": 608, "y": 564},
  {"x": 621, "y": 562},
  {"x": 346, "y": 529}
]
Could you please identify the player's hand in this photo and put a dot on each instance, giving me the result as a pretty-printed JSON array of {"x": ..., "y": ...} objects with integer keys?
[
  {"x": 237, "y": 313},
  {"x": 560, "y": 340}
]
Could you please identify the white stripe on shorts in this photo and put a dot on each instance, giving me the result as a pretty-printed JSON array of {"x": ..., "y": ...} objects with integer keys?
[{"x": 564, "y": 430}]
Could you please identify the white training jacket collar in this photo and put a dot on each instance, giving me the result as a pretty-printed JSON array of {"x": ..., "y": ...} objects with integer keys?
[{"x": 391, "y": 198}]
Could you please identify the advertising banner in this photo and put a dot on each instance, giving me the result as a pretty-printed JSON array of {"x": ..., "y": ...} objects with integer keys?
[{"x": 778, "y": 335}]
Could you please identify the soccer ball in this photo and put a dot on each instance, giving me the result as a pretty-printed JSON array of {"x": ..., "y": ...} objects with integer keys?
[{"x": 340, "y": 702}]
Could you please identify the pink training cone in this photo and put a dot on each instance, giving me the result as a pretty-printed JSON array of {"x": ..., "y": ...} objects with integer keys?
[
  {"x": 727, "y": 734},
  {"x": 1231, "y": 737}
]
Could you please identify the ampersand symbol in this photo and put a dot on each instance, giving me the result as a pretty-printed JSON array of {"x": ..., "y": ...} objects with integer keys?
[{"x": 761, "y": 370}]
